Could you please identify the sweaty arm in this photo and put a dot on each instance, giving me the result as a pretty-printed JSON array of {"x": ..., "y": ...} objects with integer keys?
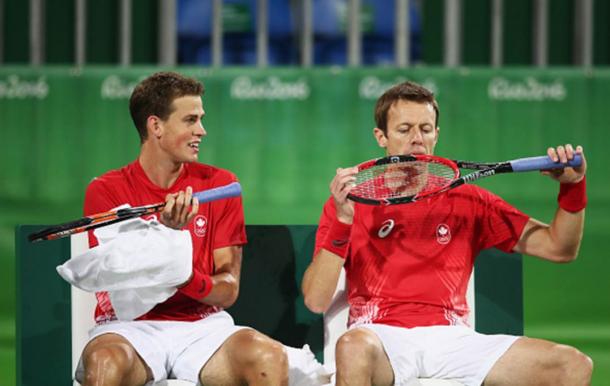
[
  {"x": 320, "y": 280},
  {"x": 332, "y": 241},
  {"x": 222, "y": 288},
  {"x": 560, "y": 241}
]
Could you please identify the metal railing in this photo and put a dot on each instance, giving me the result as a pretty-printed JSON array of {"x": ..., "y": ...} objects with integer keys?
[{"x": 452, "y": 48}]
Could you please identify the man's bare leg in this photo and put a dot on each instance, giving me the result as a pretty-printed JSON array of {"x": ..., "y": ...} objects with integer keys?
[
  {"x": 247, "y": 357},
  {"x": 361, "y": 360},
  {"x": 110, "y": 360},
  {"x": 539, "y": 362}
]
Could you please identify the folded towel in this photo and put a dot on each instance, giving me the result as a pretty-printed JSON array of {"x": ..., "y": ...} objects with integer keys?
[
  {"x": 304, "y": 369},
  {"x": 138, "y": 262}
]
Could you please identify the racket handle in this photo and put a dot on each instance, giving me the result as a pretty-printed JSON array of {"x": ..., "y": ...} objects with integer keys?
[
  {"x": 542, "y": 163},
  {"x": 227, "y": 191}
]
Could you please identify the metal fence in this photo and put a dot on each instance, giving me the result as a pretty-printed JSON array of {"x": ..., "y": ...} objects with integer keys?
[{"x": 582, "y": 45}]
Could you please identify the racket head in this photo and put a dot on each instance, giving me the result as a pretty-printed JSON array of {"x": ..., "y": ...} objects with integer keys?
[{"x": 402, "y": 179}]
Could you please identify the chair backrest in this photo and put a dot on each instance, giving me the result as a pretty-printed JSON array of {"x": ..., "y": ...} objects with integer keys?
[{"x": 82, "y": 304}]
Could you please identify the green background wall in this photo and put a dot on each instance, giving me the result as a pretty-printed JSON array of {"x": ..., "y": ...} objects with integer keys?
[{"x": 284, "y": 131}]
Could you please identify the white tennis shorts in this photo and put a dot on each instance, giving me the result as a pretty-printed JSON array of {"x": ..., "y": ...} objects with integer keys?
[
  {"x": 442, "y": 352},
  {"x": 179, "y": 350},
  {"x": 174, "y": 350}
]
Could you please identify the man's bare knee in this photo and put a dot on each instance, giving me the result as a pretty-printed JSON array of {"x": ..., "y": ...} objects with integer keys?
[
  {"x": 359, "y": 345},
  {"x": 261, "y": 359},
  {"x": 108, "y": 364},
  {"x": 575, "y": 368},
  {"x": 361, "y": 359}
]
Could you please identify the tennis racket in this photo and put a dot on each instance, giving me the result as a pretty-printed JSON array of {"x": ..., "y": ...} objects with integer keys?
[
  {"x": 113, "y": 216},
  {"x": 409, "y": 178}
]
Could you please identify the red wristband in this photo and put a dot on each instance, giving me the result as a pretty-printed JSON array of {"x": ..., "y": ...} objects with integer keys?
[
  {"x": 198, "y": 287},
  {"x": 573, "y": 197},
  {"x": 337, "y": 238}
]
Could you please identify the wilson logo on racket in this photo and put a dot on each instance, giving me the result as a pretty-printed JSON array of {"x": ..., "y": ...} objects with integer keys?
[{"x": 476, "y": 175}]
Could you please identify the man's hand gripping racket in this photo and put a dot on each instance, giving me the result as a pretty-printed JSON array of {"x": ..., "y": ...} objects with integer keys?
[
  {"x": 114, "y": 216},
  {"x": 404, "y": 179}
]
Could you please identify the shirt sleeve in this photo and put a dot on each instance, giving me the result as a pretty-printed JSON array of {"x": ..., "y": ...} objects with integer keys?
[
  {"x": 329, "y": 212},
  {"x": 501, "y": 224},
  {"x": 97, "y": 199},
  {"x": 230, "y": 225}
]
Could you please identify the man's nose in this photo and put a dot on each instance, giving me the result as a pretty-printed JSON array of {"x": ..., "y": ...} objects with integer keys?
[
  {"x": 200, "y": 130},
  {"x": 418, "y": 136}
]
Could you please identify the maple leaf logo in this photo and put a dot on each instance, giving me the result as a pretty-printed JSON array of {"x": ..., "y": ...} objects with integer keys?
[
  {"x": 443, "y": 234},
  {"x": 200, "y": 225}
]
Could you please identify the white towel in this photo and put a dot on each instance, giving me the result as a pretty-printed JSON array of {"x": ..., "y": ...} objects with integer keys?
[
  {"x": 304, "y": 369},
  {"x": 138, "y": 262}
]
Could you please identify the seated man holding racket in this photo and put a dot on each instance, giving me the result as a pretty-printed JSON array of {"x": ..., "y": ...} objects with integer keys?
[
  {"x": 408, "y": 265},
  {"x": 188, "y": 336}
]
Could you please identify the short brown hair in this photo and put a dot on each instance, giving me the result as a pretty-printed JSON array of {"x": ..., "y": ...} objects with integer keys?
[
  {"x": 155, "y": 95},
  {"x": 408, "y": 91}
]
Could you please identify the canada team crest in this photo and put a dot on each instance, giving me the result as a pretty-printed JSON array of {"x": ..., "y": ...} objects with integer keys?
[
  {"x": 443, "y": 234},
  {"x": 200, "y": 225}
]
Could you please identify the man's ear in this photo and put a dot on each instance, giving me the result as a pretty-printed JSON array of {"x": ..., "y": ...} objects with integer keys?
[
  {"x": 436, "y": 133},
  {"x": 380, "y": 137},
  {"x": 154, "y": 126}
]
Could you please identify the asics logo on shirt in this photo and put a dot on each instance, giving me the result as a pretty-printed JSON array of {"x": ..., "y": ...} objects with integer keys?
[{"x": 386, "y": 228}]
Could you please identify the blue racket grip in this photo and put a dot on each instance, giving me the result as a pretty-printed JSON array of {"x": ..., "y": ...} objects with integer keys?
[
  {"x": 542, "y": 163},
  {"x": 231, "y": 190}
]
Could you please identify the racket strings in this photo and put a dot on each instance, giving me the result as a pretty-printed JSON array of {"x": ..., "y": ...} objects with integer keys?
[{"x": 402, "y": 179}]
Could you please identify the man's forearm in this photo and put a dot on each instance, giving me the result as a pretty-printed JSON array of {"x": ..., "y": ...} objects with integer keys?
[
  {"x": 217, "y": 290},
  {"x": 566, "y": 231},
  {"x": 320, "y": 280},
  {"x": 568, "y": 224},
  {"x": 225, "y": 290}
]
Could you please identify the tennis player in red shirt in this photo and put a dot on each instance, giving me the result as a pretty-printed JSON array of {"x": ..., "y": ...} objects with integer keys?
[
  {"x": 188, "y": 336},
  {"x": 408, "y": 268}
]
